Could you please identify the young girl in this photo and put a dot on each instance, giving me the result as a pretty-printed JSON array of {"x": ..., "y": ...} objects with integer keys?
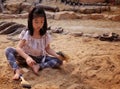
[{"x": 34, "y": 46}]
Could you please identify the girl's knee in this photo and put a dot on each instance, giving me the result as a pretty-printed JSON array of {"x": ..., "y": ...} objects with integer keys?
[
  {"x": 9, "y": 50},
  {"x": 56, "y": 63}
]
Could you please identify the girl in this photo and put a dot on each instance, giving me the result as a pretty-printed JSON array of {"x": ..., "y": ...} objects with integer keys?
[{"x": 34, "y": 46}]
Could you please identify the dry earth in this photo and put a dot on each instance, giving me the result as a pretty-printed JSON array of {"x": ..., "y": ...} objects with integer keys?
[{"x": 93, "y": 64}]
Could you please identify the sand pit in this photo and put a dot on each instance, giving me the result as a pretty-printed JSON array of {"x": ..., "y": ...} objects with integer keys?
[{"x": 93, "y": 64}]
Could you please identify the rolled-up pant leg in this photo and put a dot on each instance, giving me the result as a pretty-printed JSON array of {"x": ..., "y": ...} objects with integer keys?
[
  {"x": 51, "y": 62},
  {"x": 10, "y": 55}
]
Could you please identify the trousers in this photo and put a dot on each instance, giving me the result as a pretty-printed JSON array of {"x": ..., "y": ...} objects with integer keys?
[{"x": 14, "y": 59}]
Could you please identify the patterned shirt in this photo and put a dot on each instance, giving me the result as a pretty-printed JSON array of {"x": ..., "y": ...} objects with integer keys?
[{"x": 35, "y": 46}]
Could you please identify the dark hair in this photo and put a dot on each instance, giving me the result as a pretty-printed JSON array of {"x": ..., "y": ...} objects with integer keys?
[{"x": 37, "y": 11}]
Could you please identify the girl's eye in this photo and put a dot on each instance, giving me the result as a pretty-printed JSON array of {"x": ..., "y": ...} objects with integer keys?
[{"x": 39, "y": 22}]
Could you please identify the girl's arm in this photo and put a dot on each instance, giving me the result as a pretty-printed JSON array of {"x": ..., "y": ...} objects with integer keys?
[
  {"x": 20, "y": 51},
  {"x": 52, "y": 52},
  {"x": 28, "y": 59}
]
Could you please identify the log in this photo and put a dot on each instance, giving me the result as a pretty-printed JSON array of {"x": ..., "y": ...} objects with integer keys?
[
  {"x": 5, "y": 25},
  {"x": 49, "y": 8},
  {"x": 2, "y": 22},
  {"x": 11, "y": 28},
  {"x": 17, "y": 31}
]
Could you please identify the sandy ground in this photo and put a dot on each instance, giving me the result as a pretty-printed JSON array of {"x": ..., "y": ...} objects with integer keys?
[{"x": 93, "y": 64}]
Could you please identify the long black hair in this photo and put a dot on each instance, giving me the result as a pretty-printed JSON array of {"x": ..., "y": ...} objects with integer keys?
[{"x": 37, "y": 11}]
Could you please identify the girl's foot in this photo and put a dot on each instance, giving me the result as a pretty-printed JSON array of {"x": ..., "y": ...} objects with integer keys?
[
  {"x": 17, "y": 75},
  {"x": 36, "y": 68}
]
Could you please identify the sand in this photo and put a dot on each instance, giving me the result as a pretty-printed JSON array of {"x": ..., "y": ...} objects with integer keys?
[{"x": 93, "y": 64}]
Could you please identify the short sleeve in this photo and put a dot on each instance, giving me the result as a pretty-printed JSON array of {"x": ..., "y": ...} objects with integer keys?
[
  {"x": 24, "y": 35},
  {"x": 48, "y": 39}
]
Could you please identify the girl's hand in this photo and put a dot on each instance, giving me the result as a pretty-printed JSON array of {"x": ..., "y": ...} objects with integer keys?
[
  {"x": 30, "y": 61},
  {"x": 62, "y": 56}
]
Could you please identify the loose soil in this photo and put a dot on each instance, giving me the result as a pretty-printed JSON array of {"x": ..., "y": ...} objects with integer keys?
[{"x": 93, "y": 64}]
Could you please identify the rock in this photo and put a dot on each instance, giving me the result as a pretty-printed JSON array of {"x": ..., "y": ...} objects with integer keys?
[
  {"x": 14, "y": 8},
  {"x": 65, "y": 15},
  {"x": 78, "y": 34},
  {"x": 25, "y": 6},
  {"x": 50, "y": 15},
  {"x": 115, "y": 18},
  {"x": 89, "y": 11},
  {"x": 96, "y": 16}
]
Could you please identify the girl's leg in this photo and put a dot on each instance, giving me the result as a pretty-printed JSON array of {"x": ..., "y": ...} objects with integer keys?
[
  {"x": 51, "y": 62},
  {"x": 36, "y": 66},
  {"x": 10, "y": 55}
]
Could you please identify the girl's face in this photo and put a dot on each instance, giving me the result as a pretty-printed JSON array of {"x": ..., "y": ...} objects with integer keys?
[{"x": 38, "y": 23}]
